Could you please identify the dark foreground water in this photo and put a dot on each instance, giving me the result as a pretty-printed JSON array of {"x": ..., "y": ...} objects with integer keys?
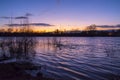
[{"x": 78, "y": 58}]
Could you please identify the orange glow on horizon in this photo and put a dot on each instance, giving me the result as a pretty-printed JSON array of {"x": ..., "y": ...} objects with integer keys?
[
  {"x": 47, "y": 28},
  {"x": 53, "y": 28}
]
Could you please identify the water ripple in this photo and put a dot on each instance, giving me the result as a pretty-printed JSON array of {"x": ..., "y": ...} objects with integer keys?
[{"x": 81, "y": 58}]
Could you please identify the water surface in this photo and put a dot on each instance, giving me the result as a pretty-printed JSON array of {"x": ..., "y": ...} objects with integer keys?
[
  {"x": 69, "y": 58},
  {"x": 80, "y": 58}
]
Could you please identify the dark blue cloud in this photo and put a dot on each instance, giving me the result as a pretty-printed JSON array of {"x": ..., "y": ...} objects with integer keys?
[
  {"x": 109, "y": 26},
  {"x": 31, "y": 24}
]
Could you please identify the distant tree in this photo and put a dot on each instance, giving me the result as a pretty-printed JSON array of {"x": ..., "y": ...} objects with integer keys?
[
  {"x": 57, "y": 31},
  {"x": 119, "y": 32},
  {"x": 91, "y": 28},
  {"x": 2, "y": 30},
  {"x": 9, "y": 29},
  {"x": 16, "y": 30},
  {"x": 26, "y": 30}
]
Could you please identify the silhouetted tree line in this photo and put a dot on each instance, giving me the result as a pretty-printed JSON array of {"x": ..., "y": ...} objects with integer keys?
[{"x": 89, "y": 31}]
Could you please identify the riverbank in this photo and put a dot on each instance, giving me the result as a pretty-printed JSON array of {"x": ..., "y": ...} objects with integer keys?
[
  {"x": 20, "y": 71},
  {"x": 63, "y": 34}
]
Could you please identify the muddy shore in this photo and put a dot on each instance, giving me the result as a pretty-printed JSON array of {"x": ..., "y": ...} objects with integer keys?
[{"x": 18, "y": 71}]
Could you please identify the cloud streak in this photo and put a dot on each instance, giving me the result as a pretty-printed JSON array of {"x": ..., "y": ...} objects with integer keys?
[
  {"x": 109, "y": 26},
  {"x": 31, "y": 24}
]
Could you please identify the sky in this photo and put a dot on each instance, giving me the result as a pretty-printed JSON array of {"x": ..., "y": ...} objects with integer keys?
[{"x": 64, "y": 13}]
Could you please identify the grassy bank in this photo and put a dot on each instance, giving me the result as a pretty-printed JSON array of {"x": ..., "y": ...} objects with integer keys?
[{"x": 18, "y": 71}]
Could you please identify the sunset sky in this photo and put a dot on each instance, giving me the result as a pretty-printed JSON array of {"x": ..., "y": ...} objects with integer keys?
[{"x": 67, "y": 14}]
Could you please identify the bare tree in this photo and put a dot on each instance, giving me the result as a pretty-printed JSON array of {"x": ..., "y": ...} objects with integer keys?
[
  {"x": 10, "y": 30},
  {"x": 91, "y": 28}
]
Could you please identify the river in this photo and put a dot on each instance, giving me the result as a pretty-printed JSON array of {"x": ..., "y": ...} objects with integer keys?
[
  {"x": 79, "y": 58},
  {"x": 70, "y": 58}
]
